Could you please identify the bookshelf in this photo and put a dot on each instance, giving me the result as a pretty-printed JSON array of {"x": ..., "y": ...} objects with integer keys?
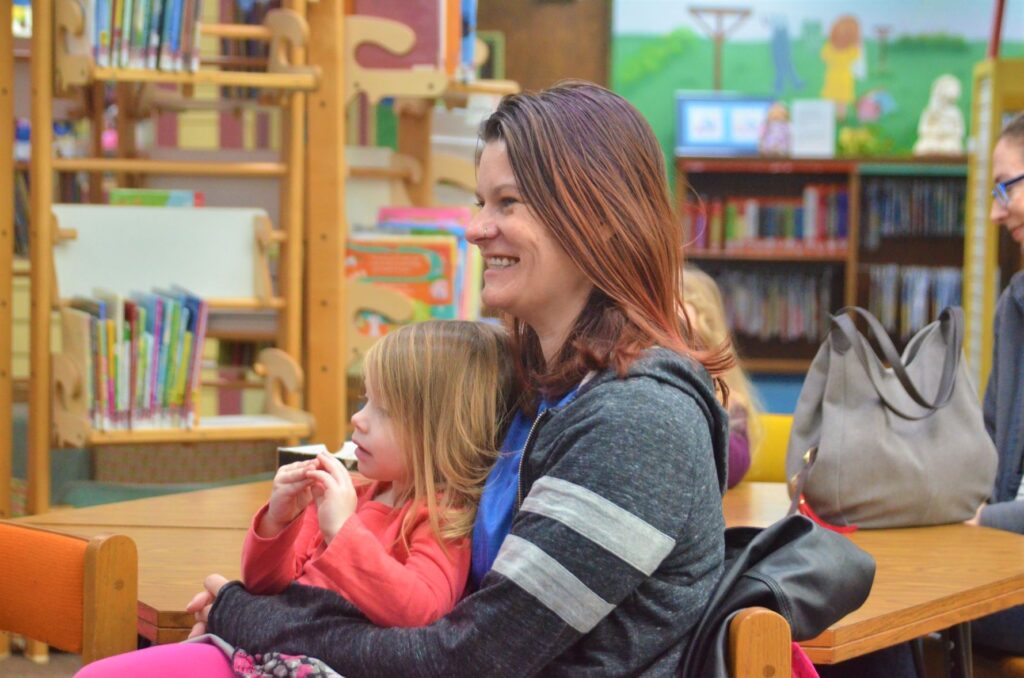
[
  {"x": 760, "y": 241},
  {"x": 312, "y": 319},
  {"x": 53, "y": 410}
]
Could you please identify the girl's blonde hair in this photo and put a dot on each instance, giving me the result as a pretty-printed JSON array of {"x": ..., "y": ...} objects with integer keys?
[
  {"x": 709, "y": 326},
  {"x": 447, "y": 385}
]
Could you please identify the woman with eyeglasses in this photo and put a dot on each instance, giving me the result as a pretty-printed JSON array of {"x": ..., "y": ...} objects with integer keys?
[{"x": 1004, "y": 395}]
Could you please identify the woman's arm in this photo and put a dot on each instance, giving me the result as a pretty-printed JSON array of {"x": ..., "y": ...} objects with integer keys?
[
  {"x": 1007, "y": 515},
  {"x": 391, "y": 593},
  {"x": 637, "y": 478}
]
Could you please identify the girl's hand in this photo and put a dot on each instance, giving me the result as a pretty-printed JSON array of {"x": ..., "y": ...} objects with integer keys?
[
  {"x": 289, "y": 497},
  {"x": 334, "y": 494},
  {"x": 202, "y": 603}
]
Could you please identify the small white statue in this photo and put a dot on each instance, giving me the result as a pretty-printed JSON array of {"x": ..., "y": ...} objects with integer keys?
[{"x": 940, "y": 130}]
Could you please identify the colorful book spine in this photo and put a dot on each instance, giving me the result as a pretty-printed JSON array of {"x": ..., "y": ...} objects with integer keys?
[{"x": 156, "y": 197}]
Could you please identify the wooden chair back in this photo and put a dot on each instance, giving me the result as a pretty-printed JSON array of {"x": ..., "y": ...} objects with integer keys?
[
  {"x": 759, "y": 644},
  {"x": 78, "y": 595}
]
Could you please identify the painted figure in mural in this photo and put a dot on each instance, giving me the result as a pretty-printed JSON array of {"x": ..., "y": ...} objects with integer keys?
[
  {"x": 840, "y": 55},
  {"x": 782, "y": 56},
  {"x": 940, "y": 130}
]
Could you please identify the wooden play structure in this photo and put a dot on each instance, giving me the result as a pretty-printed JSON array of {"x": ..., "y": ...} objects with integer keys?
[{"x": 312, "y": 303}]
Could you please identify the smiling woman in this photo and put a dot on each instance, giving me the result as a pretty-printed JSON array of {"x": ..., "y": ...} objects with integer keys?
[{"x": 599, "y": 535}]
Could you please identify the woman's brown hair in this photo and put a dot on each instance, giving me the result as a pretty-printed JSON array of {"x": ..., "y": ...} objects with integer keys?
[{"x": 590, "y": 169}]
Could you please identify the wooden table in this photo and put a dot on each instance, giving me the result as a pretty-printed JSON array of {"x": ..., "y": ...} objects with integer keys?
[
  {"x": 927, "y": 578},
  {"x": 181, "y": 538}
]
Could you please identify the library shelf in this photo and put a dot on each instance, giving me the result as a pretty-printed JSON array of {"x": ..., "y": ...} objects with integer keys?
[
  {"x": 306, "y": 81},
  {"x": 171, "y": 168},
  {"x": 214, "y": 428},
  {"x": 776, "y": 365},
  {"x": 780, "y": 255},
  {"x": 764, "y": 165},
  {"x": 764, "y": 180}
]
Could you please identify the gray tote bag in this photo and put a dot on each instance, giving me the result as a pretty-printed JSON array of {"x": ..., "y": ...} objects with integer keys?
[{"x": 890, "y": 445}]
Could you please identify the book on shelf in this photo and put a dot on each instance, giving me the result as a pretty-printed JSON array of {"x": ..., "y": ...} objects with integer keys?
[
  {"x": 816, "y": 223},
  {"x": 906, "y": 298},
  {"x": 898, "y": 207},
  {"x": 441, "y": 220},
  {"x": 777, "y": 305},
  {"x": 156, "y": 197},
  {"x": 289, "y": 455},
  {"x": 141, "y": 34},
  {"x": 421, "y": 267},
  {"x": 141, "y": 356}
]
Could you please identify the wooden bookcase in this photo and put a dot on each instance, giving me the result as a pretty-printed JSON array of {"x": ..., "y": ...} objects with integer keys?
[
  {"x": 741, "y": 178},
  {"x": 313, "y": 306},
  {"x": 52, "y": 60}
]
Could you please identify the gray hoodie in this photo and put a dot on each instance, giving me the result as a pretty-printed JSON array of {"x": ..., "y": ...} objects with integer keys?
[
  {"x": 610, "y": 562},
  {"x": 1004, "y": 409}
]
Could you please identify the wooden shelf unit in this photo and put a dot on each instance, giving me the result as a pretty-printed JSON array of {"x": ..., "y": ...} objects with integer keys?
[
  {"x": 312, "y": 178},
  {"x": 775, "y": 177},
  {"x": 289, "y": 78}
]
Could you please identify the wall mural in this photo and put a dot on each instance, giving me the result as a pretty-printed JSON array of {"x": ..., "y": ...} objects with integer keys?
[{"x": 879, "y": 61}]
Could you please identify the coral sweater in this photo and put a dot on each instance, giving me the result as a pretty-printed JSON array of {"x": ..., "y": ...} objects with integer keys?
[{"x": 366, "y": 562}]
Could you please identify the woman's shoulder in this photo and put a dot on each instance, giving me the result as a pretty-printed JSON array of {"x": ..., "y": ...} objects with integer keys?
[{"x": 660, "y": 384}]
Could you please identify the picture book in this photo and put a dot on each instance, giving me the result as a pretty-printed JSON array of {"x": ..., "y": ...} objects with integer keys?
[
  {"x": 421, "y": 267},
  {"x": 156, "y": 197}
]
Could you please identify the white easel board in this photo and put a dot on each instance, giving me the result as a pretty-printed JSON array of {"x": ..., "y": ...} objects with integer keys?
[{"x": 208, "y": 250}]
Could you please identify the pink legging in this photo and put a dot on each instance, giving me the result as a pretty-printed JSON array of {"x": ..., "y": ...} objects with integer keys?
[{"x": 200, "y": 660}]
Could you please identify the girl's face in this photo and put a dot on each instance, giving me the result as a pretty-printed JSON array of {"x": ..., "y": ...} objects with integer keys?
[
  {"x": 528, "y": 273},
  {"x": 1008, "y": 163},
  {"x": 379, "y": 452}
]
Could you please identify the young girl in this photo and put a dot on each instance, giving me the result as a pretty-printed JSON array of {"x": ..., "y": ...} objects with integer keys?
[
  {"x": 437, "y": 396},
  {"x": 704, "y": 306}
]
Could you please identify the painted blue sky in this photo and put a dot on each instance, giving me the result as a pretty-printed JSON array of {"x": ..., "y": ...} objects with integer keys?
[{"x": 971, "y": 20}]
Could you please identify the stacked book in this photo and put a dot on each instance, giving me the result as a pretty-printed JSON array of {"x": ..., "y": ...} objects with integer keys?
[{"x": 140, "y": 356}]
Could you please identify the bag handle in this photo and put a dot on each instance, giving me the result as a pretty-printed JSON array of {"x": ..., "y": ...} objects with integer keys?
[{"x": 951, "y": 322}]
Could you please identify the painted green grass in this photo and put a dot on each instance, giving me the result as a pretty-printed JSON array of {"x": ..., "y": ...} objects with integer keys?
[{"x": 648, "y": 70}]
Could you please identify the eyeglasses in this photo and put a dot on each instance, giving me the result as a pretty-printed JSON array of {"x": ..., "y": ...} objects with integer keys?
[{"x": 1001, "y": 194}]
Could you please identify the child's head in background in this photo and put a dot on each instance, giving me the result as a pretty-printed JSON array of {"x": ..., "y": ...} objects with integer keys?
[
  {"x": 439, "y": 396},
  {"x": 706, "y": 311}
]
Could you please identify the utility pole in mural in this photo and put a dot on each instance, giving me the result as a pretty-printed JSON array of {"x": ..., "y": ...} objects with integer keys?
[
  {"x": 883, "y": 33},
  {"x": 720, "y": 30}
]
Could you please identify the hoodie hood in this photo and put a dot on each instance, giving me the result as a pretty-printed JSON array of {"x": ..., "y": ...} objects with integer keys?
[{"x": 668, "y": 367}]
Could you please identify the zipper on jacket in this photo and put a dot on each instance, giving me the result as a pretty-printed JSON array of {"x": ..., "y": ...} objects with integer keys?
[{"x": 526, "y": 450}]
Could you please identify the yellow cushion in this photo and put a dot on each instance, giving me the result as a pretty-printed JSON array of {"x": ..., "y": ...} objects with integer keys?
[{"x": 769, "y": 461}]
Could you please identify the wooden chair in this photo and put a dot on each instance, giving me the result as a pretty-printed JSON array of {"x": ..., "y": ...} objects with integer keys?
[
  {"x": 769, "y": 461},
  {"x": 78, "y": 595},
  {"x": 759, "y": 644}
]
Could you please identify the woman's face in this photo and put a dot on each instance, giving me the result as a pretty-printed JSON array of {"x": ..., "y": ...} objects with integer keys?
[
  {"x": 527, "y": 273},
  {"x": 1008, "y": 163}
]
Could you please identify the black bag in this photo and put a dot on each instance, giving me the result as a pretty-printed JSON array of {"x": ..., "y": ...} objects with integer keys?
[{"x": 811, "y": 576}]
